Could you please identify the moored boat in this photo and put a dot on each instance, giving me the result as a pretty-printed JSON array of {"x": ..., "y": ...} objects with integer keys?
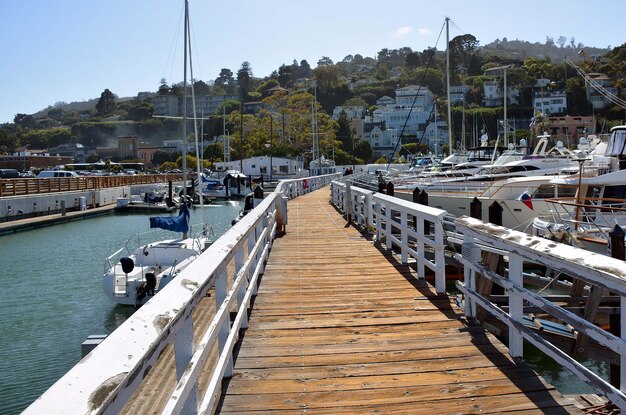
[{"x": 145, "y": 270}]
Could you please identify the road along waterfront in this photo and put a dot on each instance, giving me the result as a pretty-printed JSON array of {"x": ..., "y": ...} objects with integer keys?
[{"x": 51, "y": 295}]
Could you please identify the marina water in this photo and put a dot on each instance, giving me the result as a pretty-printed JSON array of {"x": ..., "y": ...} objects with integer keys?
[{"x": 51, "y": 295}]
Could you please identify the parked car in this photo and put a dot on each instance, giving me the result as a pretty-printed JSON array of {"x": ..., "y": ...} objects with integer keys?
[
  {"x": 56, "y": 173},
  {"x": 27, "y": 174},
  {"x": 9, "y": 174}
]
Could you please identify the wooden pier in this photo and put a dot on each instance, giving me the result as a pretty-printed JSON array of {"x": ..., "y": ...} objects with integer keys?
[
  {"x": 339, "y": 326},
  {"x": 335, "y": 322}
]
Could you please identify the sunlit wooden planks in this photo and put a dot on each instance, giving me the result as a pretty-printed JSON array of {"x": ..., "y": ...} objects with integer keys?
[{"x": 340, "y": 327}]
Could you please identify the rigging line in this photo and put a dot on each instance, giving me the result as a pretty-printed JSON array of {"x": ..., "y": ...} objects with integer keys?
[
  {"x": 173, "y": 48},
  {"x": 596, "y": 85},
  {"x": 192, "y": 33},
  {"x": 419, "y": 87}
]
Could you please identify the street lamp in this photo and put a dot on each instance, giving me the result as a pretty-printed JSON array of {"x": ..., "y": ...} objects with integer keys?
[{"x": 25, "y": 148}]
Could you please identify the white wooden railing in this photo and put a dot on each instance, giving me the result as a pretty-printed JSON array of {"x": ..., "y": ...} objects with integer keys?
[
  {"x": 103, "y": 381},
  {"x": 597, "y": 271},
  {"x": 416, "y": 230}
]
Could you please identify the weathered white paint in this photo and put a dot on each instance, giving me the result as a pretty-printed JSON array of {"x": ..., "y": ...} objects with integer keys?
[
  {"x": 379, "y": 211},
  {"x": 105, "y": 379},
  {"x": 594, "y": 269}
]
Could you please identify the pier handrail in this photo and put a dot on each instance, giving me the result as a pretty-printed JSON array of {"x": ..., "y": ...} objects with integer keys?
[
  {"x": 405, "y": 225},
  {"x": 598, "y": 271},
  {"x": 104, "y": 381}
]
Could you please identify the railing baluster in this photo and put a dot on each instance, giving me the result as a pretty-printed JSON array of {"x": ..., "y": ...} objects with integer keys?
[
  {"x": 183, "y": 351},
  {"x": 516, "y": 304},
  {"x": 221, "y": 289},
  {"x": 239, "y": 261}
]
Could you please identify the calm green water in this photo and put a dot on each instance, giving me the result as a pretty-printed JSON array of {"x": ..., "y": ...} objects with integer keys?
[{"x": 51, "y": 296}]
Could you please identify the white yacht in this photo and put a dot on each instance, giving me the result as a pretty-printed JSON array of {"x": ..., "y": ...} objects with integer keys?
[{"x": 142, "y": 272}]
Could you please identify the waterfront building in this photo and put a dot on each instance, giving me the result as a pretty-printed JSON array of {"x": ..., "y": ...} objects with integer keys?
[
  {"x": 570, "y": 128},
  {"x": 172, "y": 105},
  {"x": 255, "y": 166},
  {"x": 594, "y": 95}
]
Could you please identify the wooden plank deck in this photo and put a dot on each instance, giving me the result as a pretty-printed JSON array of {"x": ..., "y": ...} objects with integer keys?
[{"x": 340, "y": 327}]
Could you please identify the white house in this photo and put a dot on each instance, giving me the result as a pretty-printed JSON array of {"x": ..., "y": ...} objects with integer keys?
[
  {"x": 280, "y": 167},
  {"x": 550, "y": 102},
  {"x": 412, "y": 102},
  {"x": 494, "y": 96},
  {"x": 458, "y": 92},
  {"x": 594, "y": 96},
  {"x": 382, "y": 140},
  {"x": 351, "y": 112}
]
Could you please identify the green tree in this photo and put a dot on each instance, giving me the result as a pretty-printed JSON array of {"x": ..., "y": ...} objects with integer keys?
[
  {"x": 243, "y": 79},
  {"x": 140, "y": 112},
  {"x": 7, "y": 139},
  {"x": 24, "y": 120},
  {"x": 106, "y": 103},
  {"x": 161, "y": 156},
  {"x": 226, "y": 80},
  {"x": 344, "y": 132},
  {"x": 327, "y": 76},
  {"x": 363, "y": 150},
  {"x": 214, "y": 152},
  {"x": 167, "y": 166},
  {"x": 325, "y": 61}
]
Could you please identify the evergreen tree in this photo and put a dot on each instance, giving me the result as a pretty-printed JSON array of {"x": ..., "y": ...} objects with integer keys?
[{"x": 106, "y": 103}]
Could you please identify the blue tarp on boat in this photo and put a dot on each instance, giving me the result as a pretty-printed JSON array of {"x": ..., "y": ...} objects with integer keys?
[{"x": 177, "y": 224}]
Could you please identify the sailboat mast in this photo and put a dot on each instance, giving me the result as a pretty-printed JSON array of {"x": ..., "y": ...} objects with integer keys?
[
  {"x": 184, "y": 149},
  {"x": 448, "y": 84}
]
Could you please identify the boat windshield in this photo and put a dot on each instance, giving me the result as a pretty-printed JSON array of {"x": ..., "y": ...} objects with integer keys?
[{"x": 616, "y": 145}]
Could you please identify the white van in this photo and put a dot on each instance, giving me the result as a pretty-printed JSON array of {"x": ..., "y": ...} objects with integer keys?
[{"x": 56, "y": 173}]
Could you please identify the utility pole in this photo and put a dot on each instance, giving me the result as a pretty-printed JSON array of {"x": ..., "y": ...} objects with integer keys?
[
  {"x": 448, "y": 84},
  {"x": 241, "y": 139}
]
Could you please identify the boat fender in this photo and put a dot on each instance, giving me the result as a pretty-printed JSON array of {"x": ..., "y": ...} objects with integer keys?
[
  {"x": 141, "y": 292},
  {"x": 127, "y": 264},
  {"x": 150, "y": 283}
]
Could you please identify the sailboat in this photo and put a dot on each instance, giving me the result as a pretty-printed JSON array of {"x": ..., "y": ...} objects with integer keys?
[{"x": 144, "y": 271}]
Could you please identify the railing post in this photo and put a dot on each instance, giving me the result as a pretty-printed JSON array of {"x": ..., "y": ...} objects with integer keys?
[
  {"x": 422, "y": 199},
  {"x": 404, "y": 224},
  {"x": 476, "y": 209},
  {"x": 419, "y": 248},
  {"x": 616, "y": 250},
  {"x": 183, "y": 351},
  {"x": 440, "y": 259},
  {"x": 388, "y": 228},
  {"x": 377, "y": 209},
  {"x": 241, "y": 291},
  {"x": 495, "y": 213},
  {"x": 281, "y": 214},
  {"x": 347, "y": 204},
  {"x": 221, "y": 290},
  {"x": 516, "y": 305},
  {"x": 471, "y": 253},
  {"x": 369, "y": 210}
]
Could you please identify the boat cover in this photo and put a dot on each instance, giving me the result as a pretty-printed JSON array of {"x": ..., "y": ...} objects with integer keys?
[{"x": 175, "y": 224}]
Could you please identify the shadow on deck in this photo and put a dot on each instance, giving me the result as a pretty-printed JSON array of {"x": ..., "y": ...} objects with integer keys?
[{"x": 340, "y": 326}]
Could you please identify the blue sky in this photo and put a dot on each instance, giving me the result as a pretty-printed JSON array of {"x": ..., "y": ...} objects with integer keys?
[{"x": 71, "y": 50}]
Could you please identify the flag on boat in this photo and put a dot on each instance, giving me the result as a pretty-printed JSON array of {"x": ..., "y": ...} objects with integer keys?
[
  {"x": 527, "y": 200},
  {"x": 175, "y": 224}
]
